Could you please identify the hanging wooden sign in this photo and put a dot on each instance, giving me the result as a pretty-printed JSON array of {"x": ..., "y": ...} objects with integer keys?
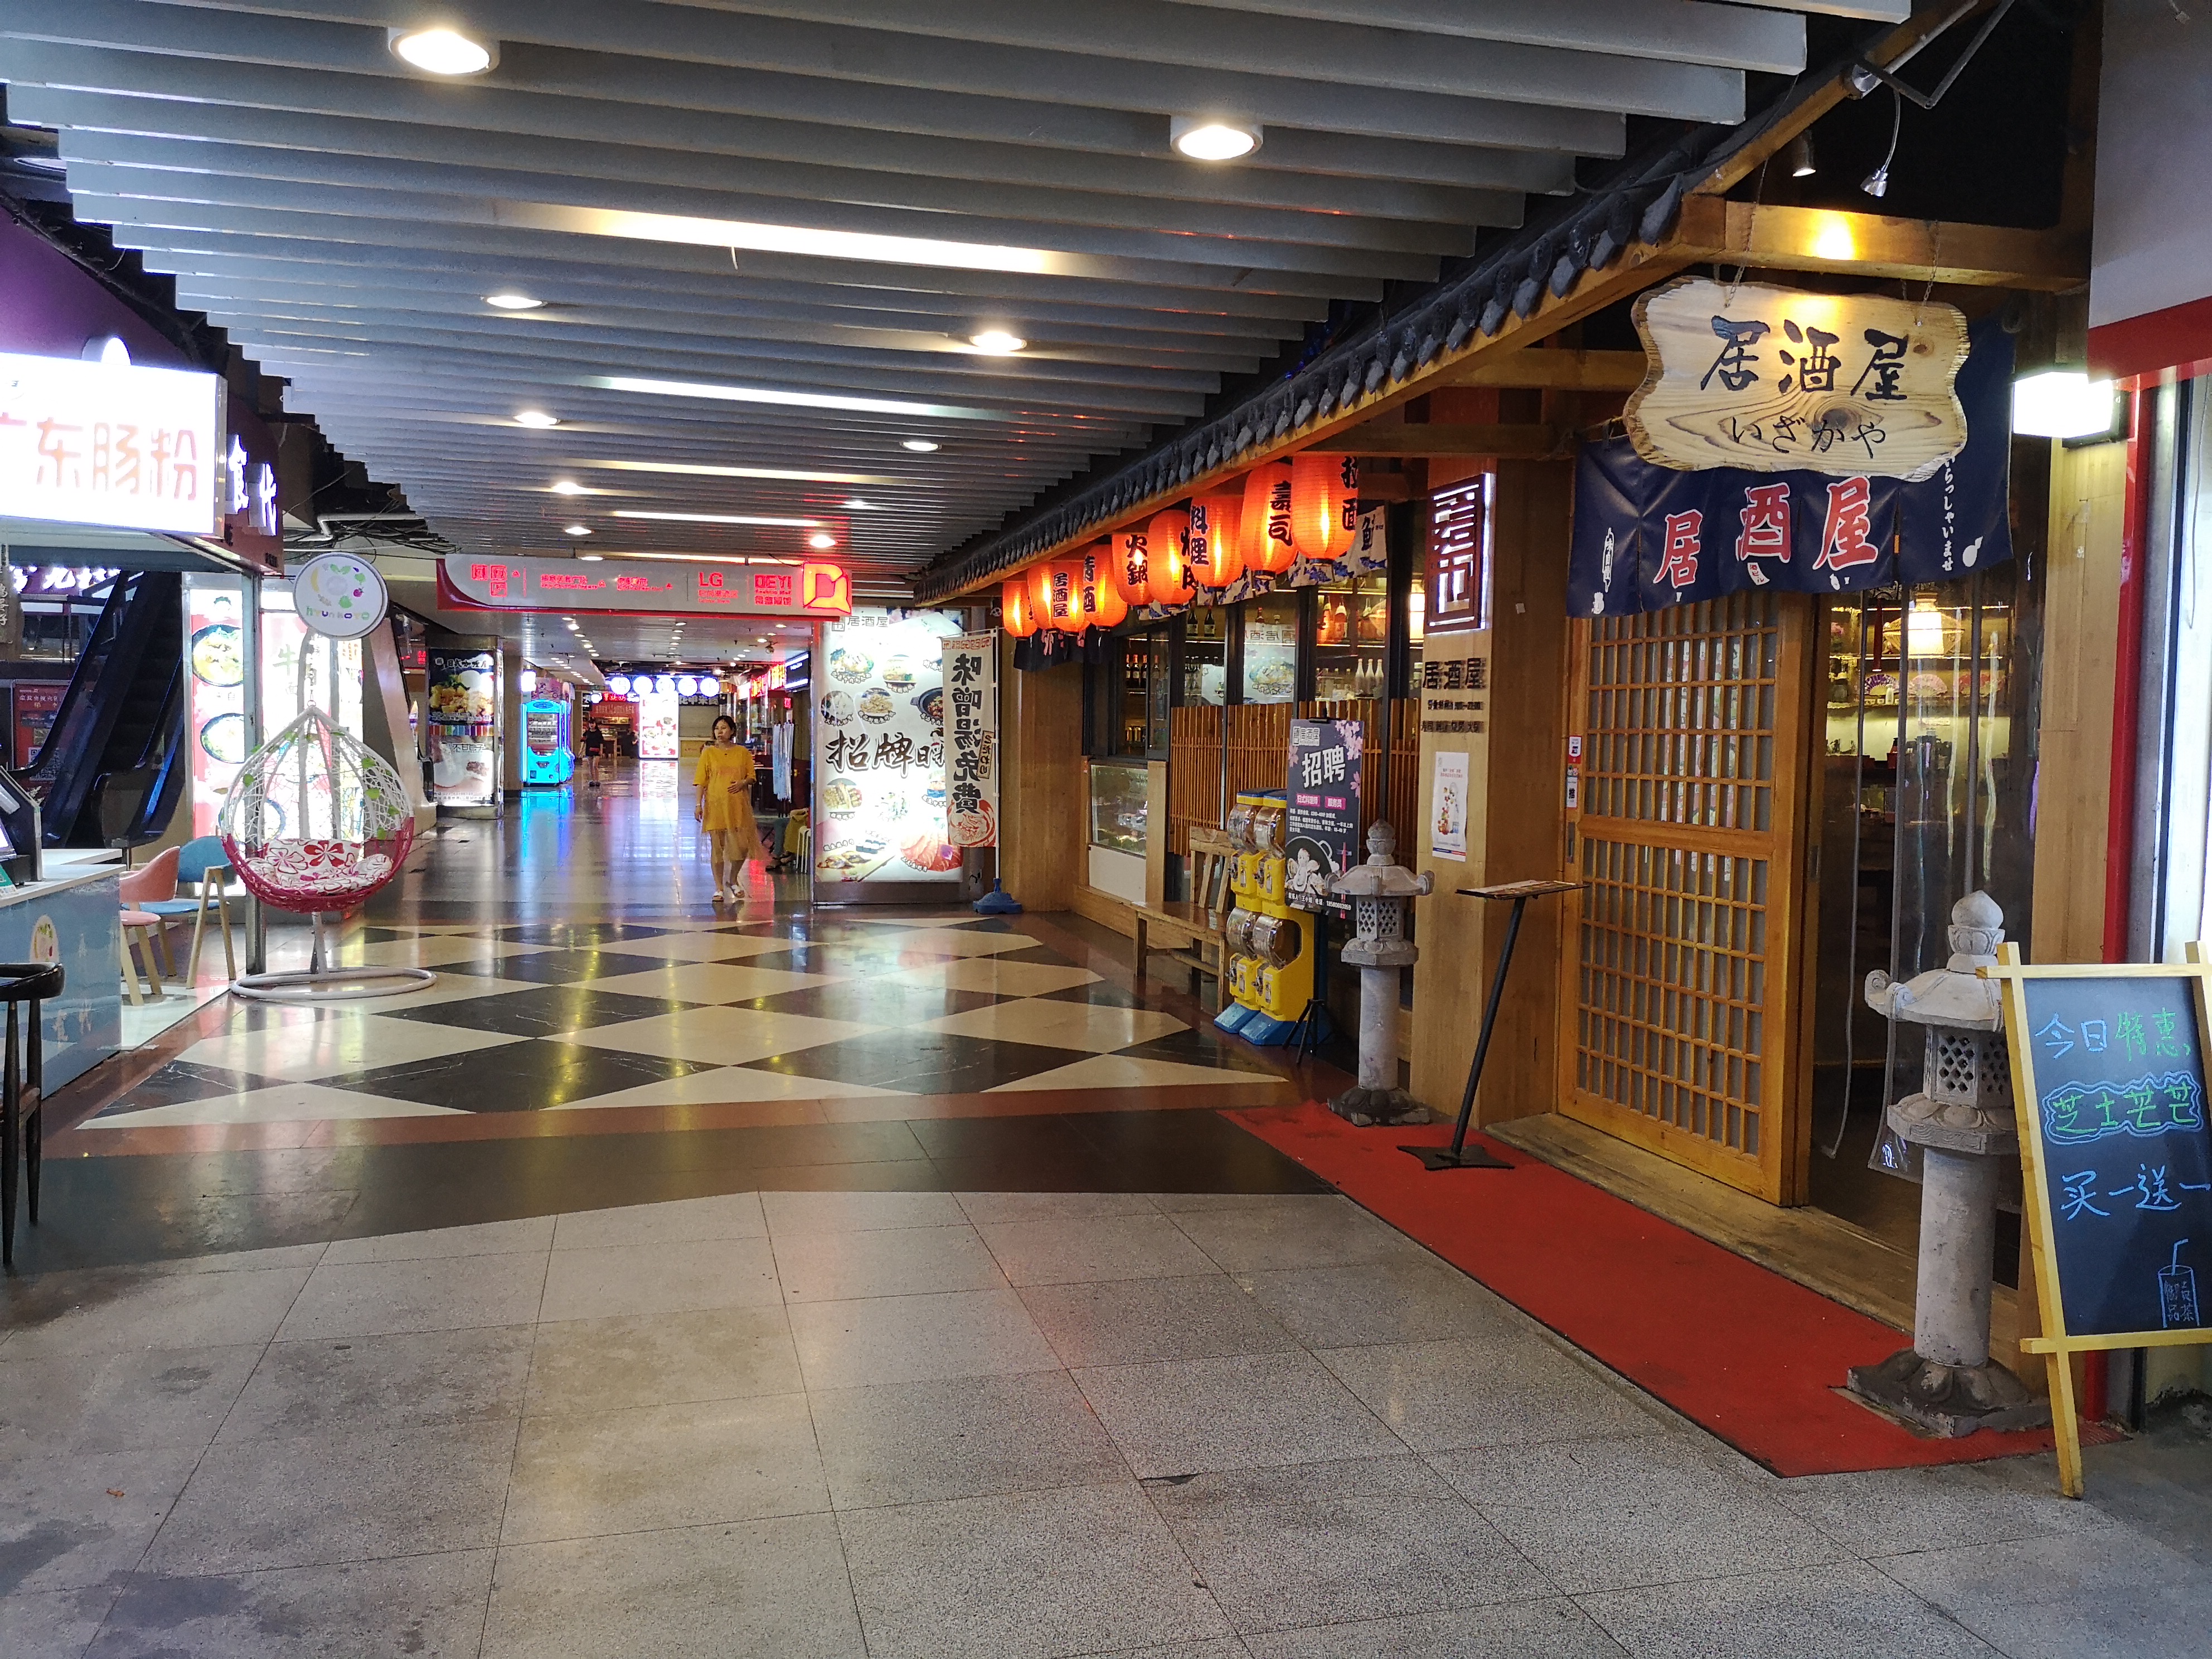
[
  {"x": 1769, "y": 379},
  {"x": 2108, "y": 1076}
]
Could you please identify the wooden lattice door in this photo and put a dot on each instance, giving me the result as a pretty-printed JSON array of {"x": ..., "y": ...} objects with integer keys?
[{"x": 1681, "y": 1000}]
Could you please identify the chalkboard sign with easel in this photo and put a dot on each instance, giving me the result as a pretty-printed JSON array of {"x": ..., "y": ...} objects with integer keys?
[{"x": 2109, "y": 1078}]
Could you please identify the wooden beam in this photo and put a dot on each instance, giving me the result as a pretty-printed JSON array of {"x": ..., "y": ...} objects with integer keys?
[
  {"x": 1536, "y": 369},
  {"x": 1768, "y": 237},
  {"x": 1520, "y": 443}
]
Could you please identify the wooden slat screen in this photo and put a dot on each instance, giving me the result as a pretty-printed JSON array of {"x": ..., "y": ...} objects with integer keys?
[
  {"x": 1259, "y": 745},
  {"x": 1194, "y": 773}
]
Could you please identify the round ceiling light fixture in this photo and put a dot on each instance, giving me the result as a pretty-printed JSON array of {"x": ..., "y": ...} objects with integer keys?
[
  {"x": 509, "y": 299},
  {"x": 567, "y": 487},
  {"x": 997, "y": 342},
  {"x": 592, "y": 558},
  {"x": 1213, "y": 137},
  {"x": 822, "y": 541},
  {"x": 575, "y": 529},
  {"x": 854, "y": 504},
  {"x": 441, "y": 48},
  {"x": 920, "y": 446},
  {"x": 536, "y": 419}
]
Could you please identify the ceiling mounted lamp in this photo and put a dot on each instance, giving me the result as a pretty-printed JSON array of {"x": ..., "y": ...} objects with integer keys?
[
  {"x": 997, "y": 342},
  {"x": 567, "y": 487},
  {"x": 1213, "y": 137},
  {"x": 2062, "y": 403},
  {"x": 822, "y": 541},
  {"x": 920, "y": 446},
  {"x": 592, "y": 558},
  {"x": 509, "y": 299},
  {"x": 1800, "y": 157},
  {"x": 854, "y": 504},
  {"x": 576, "y": 529},
  {"x": 442, "y": 49},
  {"x": 536, "y": 419}
]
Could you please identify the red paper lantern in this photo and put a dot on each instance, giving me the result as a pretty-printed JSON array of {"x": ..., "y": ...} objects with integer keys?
[
  {"x": 1133, "y": 565},
  {"x": 1102, "y": 603},
  {"x": 1169, "y": 558},
  {"x": 1216, "y": 558},
  {"x": 1324, "y": 504},
  {"x": 1063, "y": 610},
  {"x": 1017, "y": 610},
  {"x": 1039, "y": 577},
  {"x": 1268, "y": 545}
]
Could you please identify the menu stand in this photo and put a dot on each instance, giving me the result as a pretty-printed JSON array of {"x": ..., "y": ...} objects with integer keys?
[{"x": 1459, "y": 1155}]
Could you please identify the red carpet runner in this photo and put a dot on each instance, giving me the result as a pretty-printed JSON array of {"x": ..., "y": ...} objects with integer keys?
[{"x": 1745, "y": 1352}]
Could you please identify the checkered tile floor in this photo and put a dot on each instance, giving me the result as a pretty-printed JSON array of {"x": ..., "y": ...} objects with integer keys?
[{"x": 542, "y": 1016}]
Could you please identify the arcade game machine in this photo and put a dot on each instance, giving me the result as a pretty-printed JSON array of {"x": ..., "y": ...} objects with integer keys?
[{"x": 546, "y": 761}]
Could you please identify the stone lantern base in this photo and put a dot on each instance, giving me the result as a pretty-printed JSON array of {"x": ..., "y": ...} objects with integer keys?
[
  {"x": 1949, "y": 1402},
  {"x": 1368, "y": 1107}
]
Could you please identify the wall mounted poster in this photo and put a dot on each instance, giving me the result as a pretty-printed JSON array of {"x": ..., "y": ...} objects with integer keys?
[
  {"x": 880, "y": 802},
  {"x": 2108, "y": 1072},
  {"x": 1321, "y": 821},
  {"x": 1448, "y": 808},
  {"x": 971, "y": 738},
  {"x": 214, "y": 656}
]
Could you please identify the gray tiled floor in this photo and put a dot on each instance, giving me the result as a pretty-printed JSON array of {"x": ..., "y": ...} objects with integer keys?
[{"x": 834, "y": 1425}]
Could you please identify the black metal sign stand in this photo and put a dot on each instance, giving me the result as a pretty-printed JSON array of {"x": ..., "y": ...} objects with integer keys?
[{"x": 1459, "y": 1155}]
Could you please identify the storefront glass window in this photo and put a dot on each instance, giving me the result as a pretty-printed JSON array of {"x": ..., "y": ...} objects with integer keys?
[
  {"x": 1271, "y": 648},
  {"x": 1205, "y": 655},
  {"x": 1156, "y": 688},
  {"x": 1352, "y": 634}
]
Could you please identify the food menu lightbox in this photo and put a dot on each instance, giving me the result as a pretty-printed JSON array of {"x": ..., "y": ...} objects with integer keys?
[
  {"x": 658, "y": 734},
  {"x": 463, "y": 717},
  {"x": 215, "y": 657},
  {"x": 879, "y": 812}
]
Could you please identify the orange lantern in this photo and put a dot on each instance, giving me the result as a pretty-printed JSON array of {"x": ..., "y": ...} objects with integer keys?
[
  {"x": 1169, "y": 558},
  {"x": 1102, "y": 603},
  {"x": 1133, "y": 565},
  {"x": 1216, "y": 558},
  {"x": 1039, "y": 577},
  {"x": 1063, "y": 610},
  {"x": 1017, "y": 610},
  {"x": 1324, "y": 504},
  {"x": 1268, "y": 545}
]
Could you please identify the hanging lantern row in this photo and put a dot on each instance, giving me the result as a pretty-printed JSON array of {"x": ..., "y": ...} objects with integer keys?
[{"x": 1305, "y": 509}]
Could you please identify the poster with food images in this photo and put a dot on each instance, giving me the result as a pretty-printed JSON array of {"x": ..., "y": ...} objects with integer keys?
[
  {"x": 215, "y": 659},
  {"x": 879, "y": 751},
  {"x": 462, "y": 713}
]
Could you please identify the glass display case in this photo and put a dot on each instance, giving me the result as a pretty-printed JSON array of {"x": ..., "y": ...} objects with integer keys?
[
  {"x": 1351, "y": 638},
  {"x": 1271, "y": 648},
  {"x": 1120, "y": 801}
]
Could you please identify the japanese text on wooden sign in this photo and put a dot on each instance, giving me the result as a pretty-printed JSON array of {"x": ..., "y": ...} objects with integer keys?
[{"x": 1748, "y": 376}]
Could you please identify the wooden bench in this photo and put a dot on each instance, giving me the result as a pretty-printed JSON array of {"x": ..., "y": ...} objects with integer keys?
[{"x": 1188, "y": 930}]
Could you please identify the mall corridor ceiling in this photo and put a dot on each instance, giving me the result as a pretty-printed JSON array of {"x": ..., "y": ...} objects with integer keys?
[{"x": 766, "y": 273}]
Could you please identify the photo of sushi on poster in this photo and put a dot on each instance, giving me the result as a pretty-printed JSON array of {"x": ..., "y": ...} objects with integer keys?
[
  {"x": 879, "y": 769},
  {"x": 1320, "y": 821}
]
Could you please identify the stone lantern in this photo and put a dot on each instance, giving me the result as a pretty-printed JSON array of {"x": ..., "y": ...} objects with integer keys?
[
  {"x": 1962, "y": 1121},
  {"x": 1379, "y": 891}
]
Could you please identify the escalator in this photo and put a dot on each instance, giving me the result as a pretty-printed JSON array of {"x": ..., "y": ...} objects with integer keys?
[{"x": 112, "y": 769}]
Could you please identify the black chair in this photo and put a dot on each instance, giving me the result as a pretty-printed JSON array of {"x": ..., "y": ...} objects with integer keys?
[{"x": 22, "y": 1091}]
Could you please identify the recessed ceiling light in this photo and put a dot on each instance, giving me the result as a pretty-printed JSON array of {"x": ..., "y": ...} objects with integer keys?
[
  {"x": 854, "y": 504},
  {"x": 537, "y": 419},
  {"x": 592, "y": 558},
  {"x": 920, "y": 446},
  {"x": 997, "y": 343},
  {"x": 567, "y": 487},
  {"x": 716, "y": 518},
  {"x": 1213, "y": 137},
  {"x": 508, "y": 300},
  {"x": 575, "y": 529},
  {"x": 822, "y": 541},
  {"x": 442, "y": 50},
  {"x": 757, "y": 394}
]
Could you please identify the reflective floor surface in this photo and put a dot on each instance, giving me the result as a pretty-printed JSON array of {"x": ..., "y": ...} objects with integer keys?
[{"x": 675, "y": 1281}]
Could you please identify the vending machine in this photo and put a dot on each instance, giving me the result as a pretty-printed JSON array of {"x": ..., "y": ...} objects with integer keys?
[
  {"x": 546, "y": 759},
  {"x": 1269, "y": 952}
]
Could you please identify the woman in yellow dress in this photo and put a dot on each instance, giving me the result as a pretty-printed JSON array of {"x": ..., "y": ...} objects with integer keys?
[{"x": 725, "y": 808}]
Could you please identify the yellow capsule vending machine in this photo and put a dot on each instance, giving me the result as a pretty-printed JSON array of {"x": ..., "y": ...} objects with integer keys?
[{"x": 1270, "y": 973}]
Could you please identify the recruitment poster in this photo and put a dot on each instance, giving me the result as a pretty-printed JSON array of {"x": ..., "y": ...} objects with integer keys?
[{"x": 1320, "y": 821}]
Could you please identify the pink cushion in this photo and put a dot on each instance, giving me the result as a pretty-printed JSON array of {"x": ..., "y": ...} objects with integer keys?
[{"x": 141, "y": 918}]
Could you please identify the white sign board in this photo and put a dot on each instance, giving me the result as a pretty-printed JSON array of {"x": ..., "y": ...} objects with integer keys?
[
  {"x": 971, "y": 740},
  {"x": 110, "y": 443}
]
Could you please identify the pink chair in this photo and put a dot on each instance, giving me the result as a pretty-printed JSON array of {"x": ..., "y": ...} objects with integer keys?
[{"x": 156, "y": 881}]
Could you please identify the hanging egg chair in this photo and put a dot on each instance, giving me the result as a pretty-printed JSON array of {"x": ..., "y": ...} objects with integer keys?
[{"x": 317, "y": 823}]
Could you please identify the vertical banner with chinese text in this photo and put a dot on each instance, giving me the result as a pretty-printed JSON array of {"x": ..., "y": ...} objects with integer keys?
[
  {"x": 971, "y": 740},
  {"x": 1321, "y": 824}
]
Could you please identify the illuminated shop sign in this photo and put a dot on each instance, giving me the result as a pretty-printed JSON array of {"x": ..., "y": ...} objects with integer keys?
[
  {"x": 812, "y": 588},
  {"x": 112, "y": 444},
  {"x": 38, "y": 581}
]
